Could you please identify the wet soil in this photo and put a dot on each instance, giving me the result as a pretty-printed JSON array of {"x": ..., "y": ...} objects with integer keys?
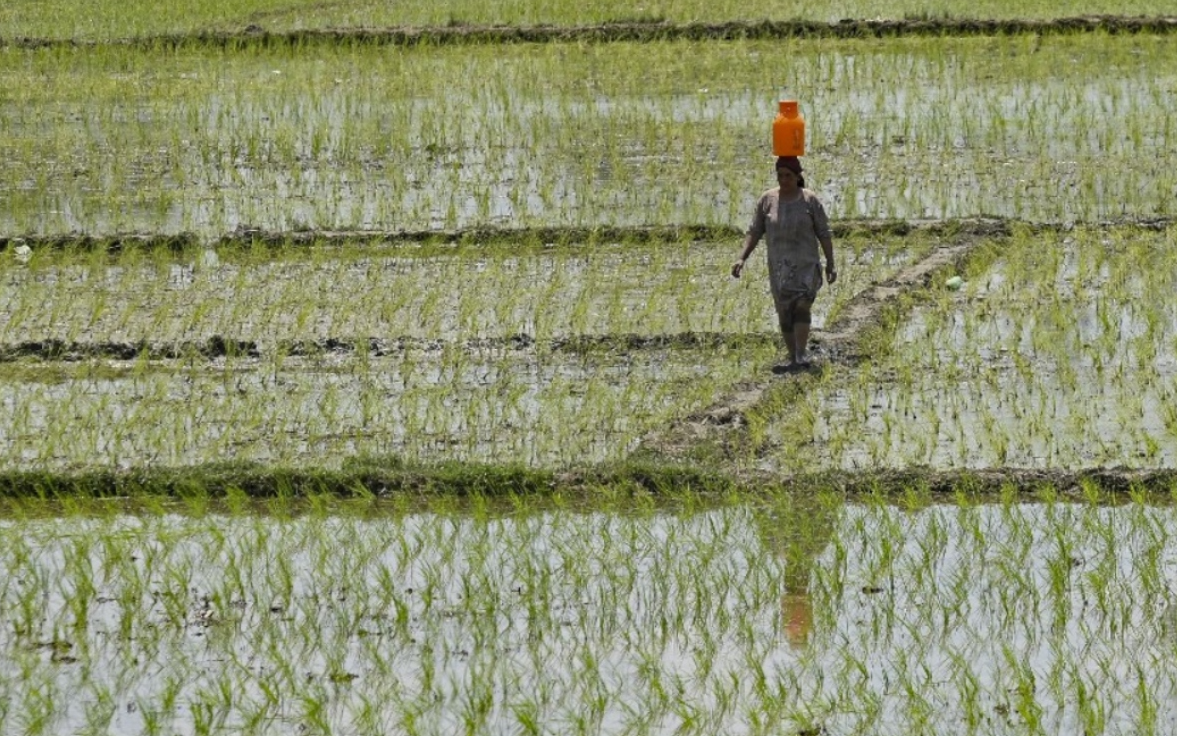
[
  {"x": 637, "y": 31},
  {"x": 222, "y": 347},
  {"x": 548, "y": 237}
]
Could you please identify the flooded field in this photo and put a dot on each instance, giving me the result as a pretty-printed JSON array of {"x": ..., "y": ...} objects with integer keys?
[
  {"x": 438, "y": 295},
  {"x": 758, "y": 616},
  {"x": 360, "y": 385},
  {"x": 307, "y": 357},
  {"x": 1062, "y": 355},
  {"x": 206, "y": 141},
  {"x": 497, "y": 405}
]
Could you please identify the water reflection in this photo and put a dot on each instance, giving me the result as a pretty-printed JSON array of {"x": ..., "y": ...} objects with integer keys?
[
  {"x": 797, "y": 613},
  {"x": 864, "y": 615},
  {"x": 797, "y": 530}
]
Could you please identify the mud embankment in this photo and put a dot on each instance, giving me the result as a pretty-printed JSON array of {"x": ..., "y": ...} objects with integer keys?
[
  {"x": 542, "y": 237},
  {"x": 545, "y": 237},
  {"x": 651, "y": 30},
  {"x": 221, "y": 347}
]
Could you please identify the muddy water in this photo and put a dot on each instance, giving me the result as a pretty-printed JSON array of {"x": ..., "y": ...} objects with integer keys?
[
  {"x": 664, "y": 288},
  {"x": 661, "y": 622},
  {"x": 545, "y": 359},
  {"x": 1061, "y": 356},
  {"x": 500, "y": 405},
  {"x": 611, "y": 289},
  {"x": 1067, "y": 129}
]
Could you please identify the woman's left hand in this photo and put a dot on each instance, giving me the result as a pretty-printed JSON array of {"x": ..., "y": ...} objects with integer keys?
[{"x": 831, "y": 275}]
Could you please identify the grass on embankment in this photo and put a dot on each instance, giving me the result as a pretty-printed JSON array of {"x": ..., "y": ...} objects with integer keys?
[
  {"x": 110, "y": 19},
  {"x": 386, "y": 477}
]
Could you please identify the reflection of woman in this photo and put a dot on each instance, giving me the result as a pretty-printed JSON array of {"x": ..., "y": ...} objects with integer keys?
[
  {"x": 795, "y": 222},
  {"x": 799, "y": 530}
]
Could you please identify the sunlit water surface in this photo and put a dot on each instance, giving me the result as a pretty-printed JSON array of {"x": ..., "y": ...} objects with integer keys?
[{"x": 990, "y": 619}]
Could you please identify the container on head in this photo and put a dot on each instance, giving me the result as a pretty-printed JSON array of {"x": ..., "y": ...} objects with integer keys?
[{"x": 788, "y": 130}]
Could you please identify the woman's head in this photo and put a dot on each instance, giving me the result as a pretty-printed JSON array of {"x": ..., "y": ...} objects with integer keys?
[{"x": 789, "y": 169}]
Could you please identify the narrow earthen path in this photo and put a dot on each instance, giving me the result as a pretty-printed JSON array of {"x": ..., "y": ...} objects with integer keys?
[{"x": 721, "y": 424}]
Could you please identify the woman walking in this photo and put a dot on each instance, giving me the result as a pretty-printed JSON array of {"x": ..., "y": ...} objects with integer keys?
[{"x": 795, "y": 222}]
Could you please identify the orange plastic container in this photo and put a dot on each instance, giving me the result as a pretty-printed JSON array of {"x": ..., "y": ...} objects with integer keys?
[{"x": 788, "y": 131}]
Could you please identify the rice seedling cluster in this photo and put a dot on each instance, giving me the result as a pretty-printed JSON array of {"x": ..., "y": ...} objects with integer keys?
[
  {"x": 565, "y": 355},
  {"x": 536, "y": 617},
  {"x": 1062, "y": 355},
  {"x": 206, "y": 141}
]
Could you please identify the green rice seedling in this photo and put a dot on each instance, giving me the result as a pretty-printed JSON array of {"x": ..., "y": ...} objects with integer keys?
[
  {"x": 264, "y": 301},
  {"x": 1014, "y": 415},
  {"x": 601, "y": 613},
  {"x": 300, "y": 149}
]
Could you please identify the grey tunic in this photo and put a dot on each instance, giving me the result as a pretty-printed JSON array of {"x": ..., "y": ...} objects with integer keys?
[{"x": 794, "y": 231}]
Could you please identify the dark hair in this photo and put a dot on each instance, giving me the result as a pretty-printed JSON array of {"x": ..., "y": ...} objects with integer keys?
[
  {"x": 792, "y": 163},
  {"x": 801, "y": 181}
]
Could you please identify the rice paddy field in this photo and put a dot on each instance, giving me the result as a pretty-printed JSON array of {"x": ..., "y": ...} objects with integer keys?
[
  {"x": 205, "y": 141},
  {"x": 363, "y": 372}
]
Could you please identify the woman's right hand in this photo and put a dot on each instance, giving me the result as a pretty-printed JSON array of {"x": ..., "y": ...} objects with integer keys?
[{"x": 737, "y": 268}]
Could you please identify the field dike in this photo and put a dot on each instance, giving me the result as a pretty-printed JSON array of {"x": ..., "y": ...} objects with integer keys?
[
  {"x": 705, "y": 451},
  {"x": 722, "y": 429},
  {"x": 654, "y": 29}
]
